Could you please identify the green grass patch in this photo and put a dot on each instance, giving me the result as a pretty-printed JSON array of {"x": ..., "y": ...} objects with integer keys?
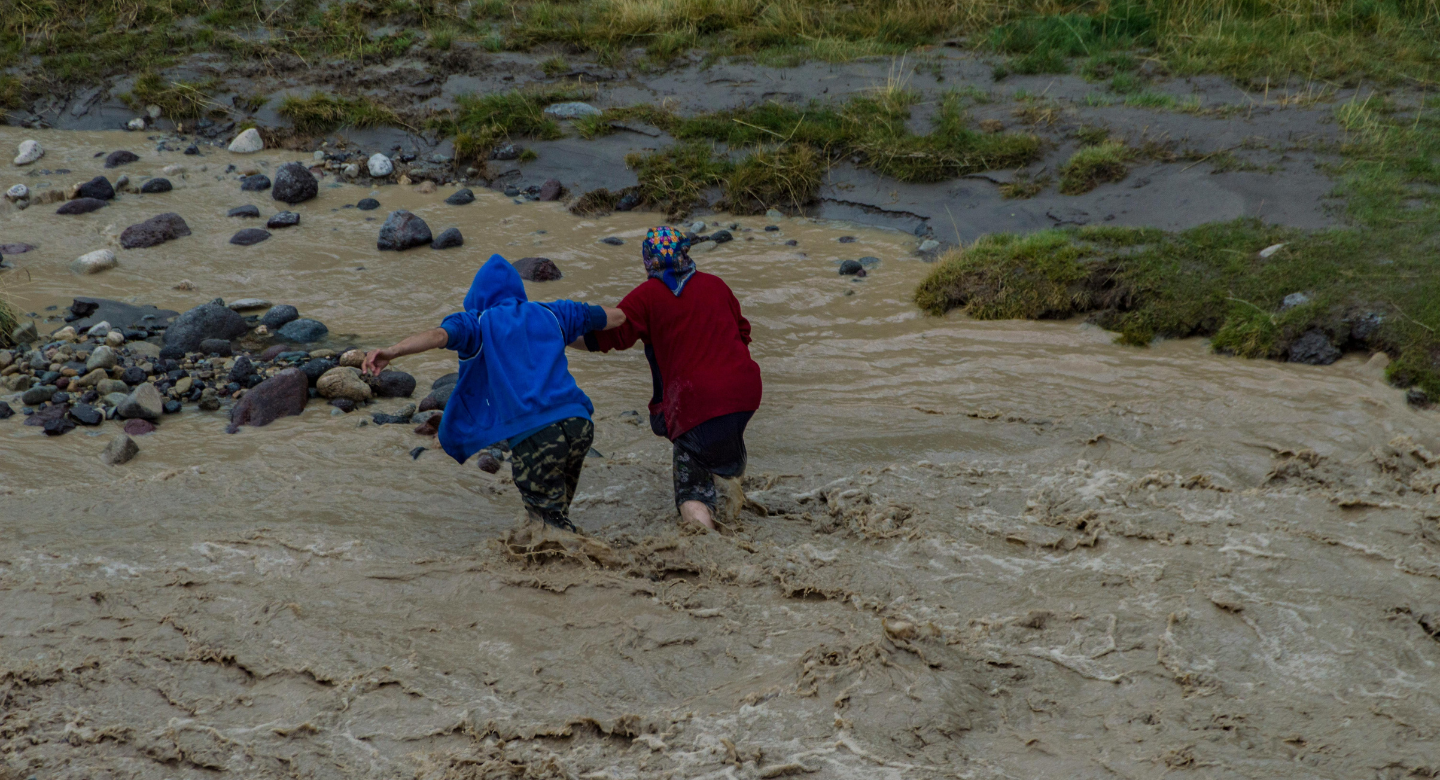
[
  {"x": 1374, "y": 285},
  {"x": 676, "y": 178},
  {"x": 1095, "y": 165},
  {"x": 786, "y": 178},
  {"x": 176, "y": 99},
  {"x": 1148, "y": 99},
  {"x": 321, "y": 113}
]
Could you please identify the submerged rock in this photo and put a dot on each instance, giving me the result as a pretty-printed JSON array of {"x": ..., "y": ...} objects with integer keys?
[
  {"x": 449, "y": 238},
  {"x": 303, "y": 331},
  {"x": 138, "y": 427},
  {"x": 243, "y": 211},
  {"x": 294, "y": 183},
  {"x": 282, "y": 395},
  {"x": 120, "y": 450},
  {"x": 98, "y": 188},
  {"x": 28, "y": 152},
  {"x": 93, "y": 262},
  {"x": 81, "y": 206},
  {"x": 206, "y": 321},
  {"x": 255, "y": 183},
  {"x": 249, "y": 236},
  {"x": 537, "y": 269},
  {"x": 368, "y": 204},
  {"x": 283, "y": 219},
  {"x": 119, "y": 158},
  {"x": 153, "y": 231},
  {"x": 403, "y": 230}
]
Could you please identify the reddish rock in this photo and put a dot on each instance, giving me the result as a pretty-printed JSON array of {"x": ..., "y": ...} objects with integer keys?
[
  {"x": 551, "y": 190},
  {"x": 279, "y": 396},
  {"x": 139, "y": 427},
  {"x": 273, "y": 351}
]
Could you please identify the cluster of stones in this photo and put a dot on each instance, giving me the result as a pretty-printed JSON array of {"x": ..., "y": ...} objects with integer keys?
[{"x": 208, "y": 357}]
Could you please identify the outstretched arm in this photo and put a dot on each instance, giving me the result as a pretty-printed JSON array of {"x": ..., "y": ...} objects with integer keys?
[
  {"x": 614, "y": 318},
  {"x": 378, "y": 359}
]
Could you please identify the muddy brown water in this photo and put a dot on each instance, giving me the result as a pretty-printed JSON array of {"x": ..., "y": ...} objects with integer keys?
[{"x": 1004, "y": 550}]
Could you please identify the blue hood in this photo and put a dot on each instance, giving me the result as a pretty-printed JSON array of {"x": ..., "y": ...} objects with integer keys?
[{"x": 513, "y": 373}]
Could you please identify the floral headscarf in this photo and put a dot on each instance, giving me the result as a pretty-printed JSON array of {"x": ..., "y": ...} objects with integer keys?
[{"x": 666, "y": 252}]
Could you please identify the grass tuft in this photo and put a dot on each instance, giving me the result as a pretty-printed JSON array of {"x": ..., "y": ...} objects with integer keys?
[
  {"x": 321, "y": 113},
  {"x": 176, "y": 99},
  {"x": 1094, "y": 165},
  {"x": 675, "y": 179},
  {"x": 787, "y": 178}
]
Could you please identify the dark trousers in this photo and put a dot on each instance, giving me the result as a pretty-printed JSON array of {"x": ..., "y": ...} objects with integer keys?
[
  {"x": 546, "y": 468},
  {"x": 714, "y": 448}
]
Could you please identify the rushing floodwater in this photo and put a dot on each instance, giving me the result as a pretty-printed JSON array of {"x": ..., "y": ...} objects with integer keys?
[{"x": 994, "y": 549}]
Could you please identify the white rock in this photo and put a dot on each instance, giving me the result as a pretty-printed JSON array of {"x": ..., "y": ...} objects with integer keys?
[
  {"x": 29, "y": 152},
  {"x": 697, "y": 227},
  {"x": 380, "y": 165},
  {"x": 572, "y": 110},
  {"x": 18, "y": 192},
  {"x": 138, "y": 123},
  {"x": 153, "y": 111},
  {"x": 174, "y": 169},
  {"x": 1270, "y": 250},
  {"x": 352, "y": 170},
  {"x": 773, "y": 214},
  {"x": 318, "y": 155},
  {"x": 247, "y": 142},
  {"x": 929, "y": 245},
  {"x": 114, "y": 339},
  {"x": 99, "y": 329},
  {"x": 94, "y": 262}
]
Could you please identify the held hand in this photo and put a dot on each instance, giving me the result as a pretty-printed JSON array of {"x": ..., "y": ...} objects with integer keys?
[{"x": 377, "y": 360}]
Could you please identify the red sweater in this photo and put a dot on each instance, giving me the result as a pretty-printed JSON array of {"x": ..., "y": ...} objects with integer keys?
[{"x": 697, "y": 344}]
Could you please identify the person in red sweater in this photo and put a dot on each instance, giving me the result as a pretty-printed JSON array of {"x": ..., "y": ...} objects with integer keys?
[{"x": 706, "y": 386}]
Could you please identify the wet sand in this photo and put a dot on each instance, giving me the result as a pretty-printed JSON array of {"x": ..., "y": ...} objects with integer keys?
[{"x": 992, "y": 549}]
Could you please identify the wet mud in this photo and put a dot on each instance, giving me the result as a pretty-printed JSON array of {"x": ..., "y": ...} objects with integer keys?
[{"x": 988, "y": 550}]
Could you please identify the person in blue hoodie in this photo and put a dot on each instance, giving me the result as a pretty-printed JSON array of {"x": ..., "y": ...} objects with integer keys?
[{"x": 515, "y": 384}]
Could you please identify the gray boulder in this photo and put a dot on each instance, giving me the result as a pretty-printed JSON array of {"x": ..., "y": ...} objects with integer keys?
[
  {"x": 294, "y": 183},
  {"x": 302, "y": 331},
  {"x": 461, "y": 197},
  {"x": 1313, "y": 348},
  {"x": 392, "y": 384},
  {"x": 258, "y": 182},
  {"x": 206, "y": 321},
  {"x": 144, "y": 402},
  {"x": 279, "y": 315},
  {"x": 156, "y": 186},
  {"x": 403, "y": 230},
  {"x": 120, "y": 450},
  {"x": 98, "y": 188}
]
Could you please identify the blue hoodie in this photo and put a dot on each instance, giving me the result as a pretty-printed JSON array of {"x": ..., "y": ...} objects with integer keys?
[{"x": 513, "y": 374}]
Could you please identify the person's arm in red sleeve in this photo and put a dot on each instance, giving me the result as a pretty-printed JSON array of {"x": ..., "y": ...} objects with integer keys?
[{"x": 625, "y": 336}]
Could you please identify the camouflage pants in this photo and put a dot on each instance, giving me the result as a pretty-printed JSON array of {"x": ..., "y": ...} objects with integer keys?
[{"x": 546, "y": 469}]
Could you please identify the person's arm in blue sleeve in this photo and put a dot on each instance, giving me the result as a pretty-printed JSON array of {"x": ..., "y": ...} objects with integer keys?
[
  {"x": 460, "y": 332},
  {"x": 577, "y": 319}
]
